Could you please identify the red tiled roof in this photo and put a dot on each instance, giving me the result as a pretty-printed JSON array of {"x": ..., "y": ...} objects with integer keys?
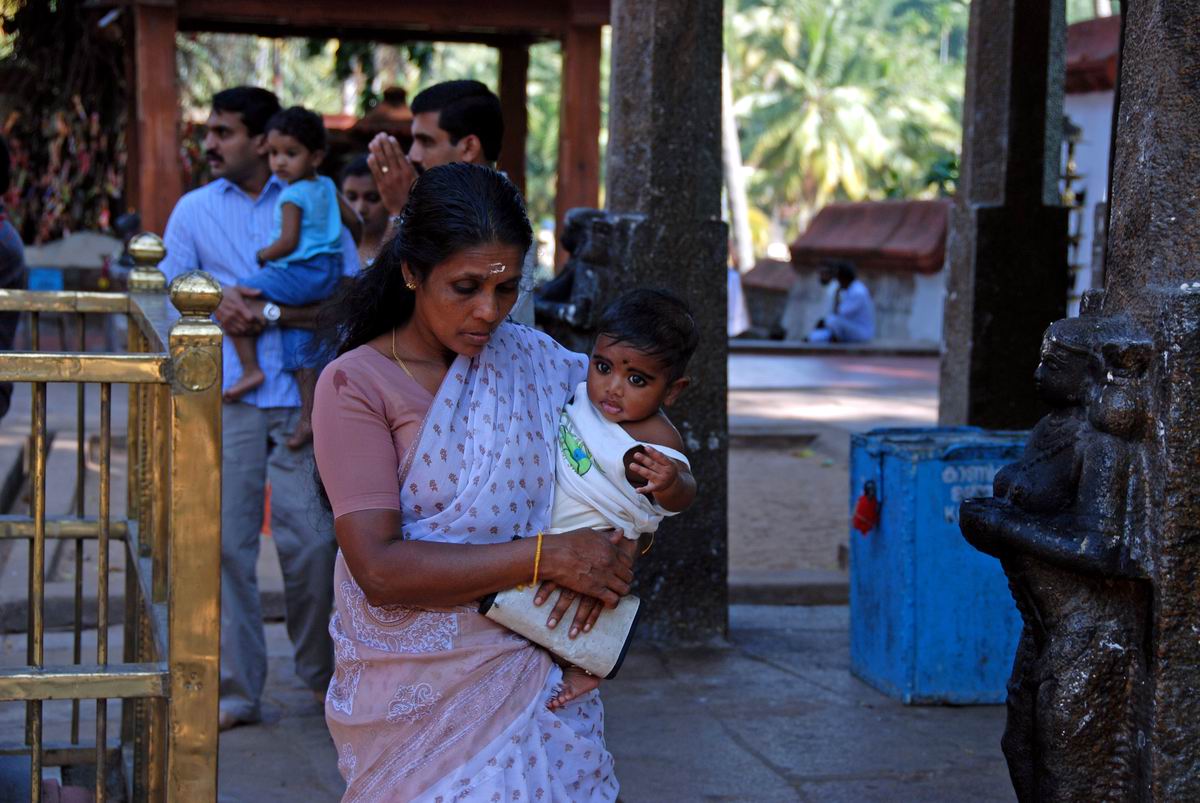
[
  {"x": 770, "y": 274},
  {"x": 1092, "y": 49},
  {"x": 903, "y": 236},
  {"x": 338, "y": 122}
]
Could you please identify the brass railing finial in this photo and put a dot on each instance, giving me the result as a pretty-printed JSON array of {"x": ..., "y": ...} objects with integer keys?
[
  {"x": 195, "y": 340},
  {"x": 195, "y": 294},
  {"x": 147, "y": 251}
]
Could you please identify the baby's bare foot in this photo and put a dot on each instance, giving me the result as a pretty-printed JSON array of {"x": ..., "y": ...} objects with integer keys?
[
  {"x": 576, "y": 682},
  {"x": 248, "y": 381}
]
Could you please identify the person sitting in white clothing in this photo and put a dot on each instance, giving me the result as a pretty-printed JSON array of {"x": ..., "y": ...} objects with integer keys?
[{"x": 853, "y": 316}]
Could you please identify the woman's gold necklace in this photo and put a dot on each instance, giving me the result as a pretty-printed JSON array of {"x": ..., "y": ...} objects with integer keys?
[{"x": 399, "y": 361}]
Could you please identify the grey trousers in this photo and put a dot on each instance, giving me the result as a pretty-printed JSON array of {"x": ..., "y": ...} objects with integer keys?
[{"x": 253, "y": 441}]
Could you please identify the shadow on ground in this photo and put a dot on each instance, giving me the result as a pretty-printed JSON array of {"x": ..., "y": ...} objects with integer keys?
[{"x": 773, "y": 716}]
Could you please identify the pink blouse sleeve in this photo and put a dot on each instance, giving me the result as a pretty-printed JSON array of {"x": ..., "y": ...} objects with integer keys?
[{"x": 352, "y": 440}]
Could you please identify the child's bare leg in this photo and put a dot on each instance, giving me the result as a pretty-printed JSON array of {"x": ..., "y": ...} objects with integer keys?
[
  {"x": 306, "y": 378},
  {"x": 252, "y": 376},
  {"x": 576, "y": 682}
]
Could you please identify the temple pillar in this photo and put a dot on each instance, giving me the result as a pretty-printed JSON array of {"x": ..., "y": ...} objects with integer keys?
[
  {"x": 1098, "y": 527},
  {"x": 1007, "y": 252},
  {"x": 664, "y": 217},
  {"x": 514, "y": 77},
  {"x": 579, "y": 123},
  {"x": 157, "y": 180},
  {"x": 1153, "y": 276}
]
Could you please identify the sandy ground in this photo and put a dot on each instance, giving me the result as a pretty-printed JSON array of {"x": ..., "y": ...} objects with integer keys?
[{"x": 788, "y": 508}]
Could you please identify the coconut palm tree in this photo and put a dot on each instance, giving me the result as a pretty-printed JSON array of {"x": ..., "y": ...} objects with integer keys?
[{"x": 845, "y": 99}]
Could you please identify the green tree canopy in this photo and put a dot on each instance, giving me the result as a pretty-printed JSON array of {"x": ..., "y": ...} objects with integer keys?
[{"x": 846, "y": 99}]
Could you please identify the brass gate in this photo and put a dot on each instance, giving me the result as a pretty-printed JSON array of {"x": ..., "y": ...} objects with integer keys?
[{"x": 167, "y": 676}]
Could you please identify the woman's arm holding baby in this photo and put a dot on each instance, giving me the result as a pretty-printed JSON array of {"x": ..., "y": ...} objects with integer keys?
[{"x": 394, "y": 571}]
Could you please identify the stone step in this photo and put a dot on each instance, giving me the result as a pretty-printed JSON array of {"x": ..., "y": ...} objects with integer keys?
[
  {"x": 788, "y": 587},
  {"x": 872, "y": 348},
  {"x": 765, "y": 433}
]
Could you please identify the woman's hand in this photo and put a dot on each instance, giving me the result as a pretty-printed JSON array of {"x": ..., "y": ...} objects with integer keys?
[{"x": 590, "y": 605}]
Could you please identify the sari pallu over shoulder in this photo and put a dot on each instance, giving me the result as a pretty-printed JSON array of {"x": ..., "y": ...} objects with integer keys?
[
  {"x": 481, "y": 470},
  {"x": 427, "y": 700}
]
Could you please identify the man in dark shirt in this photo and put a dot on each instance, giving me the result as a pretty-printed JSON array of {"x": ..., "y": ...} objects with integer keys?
[{"x": 13, "y": 275}]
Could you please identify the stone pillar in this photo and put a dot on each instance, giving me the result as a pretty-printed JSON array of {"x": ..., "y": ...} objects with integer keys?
[
  {"x": 1007, "y": 254},
  {"x": 1153, "y": 275},
  {"x": 664, "y": 202},
  {"x": 1097, "y": 527}
]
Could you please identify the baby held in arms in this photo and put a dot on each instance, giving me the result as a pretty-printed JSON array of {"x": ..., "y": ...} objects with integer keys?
[
  {"x": 304, "y": 263},
  {"x": 620, "y": 463}
]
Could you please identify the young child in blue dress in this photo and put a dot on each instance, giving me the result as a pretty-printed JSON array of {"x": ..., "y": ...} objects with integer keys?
[{"x": 304, "y": 263}]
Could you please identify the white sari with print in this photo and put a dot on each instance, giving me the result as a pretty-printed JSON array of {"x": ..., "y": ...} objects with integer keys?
[{"x": 443, "y": 704}]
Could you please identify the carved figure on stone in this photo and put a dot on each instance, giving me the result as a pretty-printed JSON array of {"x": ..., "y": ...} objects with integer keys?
[
  {"x": 1068, "y": 523},
  {"x": 567, "y": 306}
]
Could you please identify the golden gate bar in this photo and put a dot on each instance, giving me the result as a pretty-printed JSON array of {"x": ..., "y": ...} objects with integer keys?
[{"x": 167, "y": 677}]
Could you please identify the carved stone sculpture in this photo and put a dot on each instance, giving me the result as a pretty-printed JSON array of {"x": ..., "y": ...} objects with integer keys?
[
  {"x": 1069, "y": 523},
  {"x": 568, "y": 305}
]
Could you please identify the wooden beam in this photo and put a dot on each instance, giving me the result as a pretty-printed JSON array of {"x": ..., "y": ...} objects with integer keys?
[
  {"x": 283, "y": 29},
  {"x": 159, "y": 176},
  {"x": 514, "y": 76},
  {"x": 579, "y": 126},
  {"x": 534, "y": 17},
  {"x": 590, "y": 12}
]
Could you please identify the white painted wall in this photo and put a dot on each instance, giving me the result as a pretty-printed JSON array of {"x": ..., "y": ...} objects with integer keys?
[
  {"x": 908, "y": 307},
  {"x": 1091, "y": 111}
]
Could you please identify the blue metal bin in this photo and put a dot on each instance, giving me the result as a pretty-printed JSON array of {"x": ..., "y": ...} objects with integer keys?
[{"x": 931, "y": 619}]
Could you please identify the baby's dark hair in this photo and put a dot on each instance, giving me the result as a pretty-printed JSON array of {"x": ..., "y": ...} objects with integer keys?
[
  {"x": 304, "y": 126},
  {"x": 655, "y": 323}
]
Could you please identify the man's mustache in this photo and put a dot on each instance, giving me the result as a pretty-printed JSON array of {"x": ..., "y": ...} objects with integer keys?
[{"x": 213, "y": 156}]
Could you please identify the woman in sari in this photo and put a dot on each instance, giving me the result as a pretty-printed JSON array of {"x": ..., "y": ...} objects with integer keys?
[{"x": 434, "y": 435}]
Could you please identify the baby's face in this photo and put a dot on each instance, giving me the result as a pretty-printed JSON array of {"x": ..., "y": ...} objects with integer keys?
[
  {"x": 626, "y": 384},
  {"x": 289, "y": 158}
]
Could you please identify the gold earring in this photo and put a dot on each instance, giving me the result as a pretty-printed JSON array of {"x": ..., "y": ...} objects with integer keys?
[{"x": 410, "y": 285}]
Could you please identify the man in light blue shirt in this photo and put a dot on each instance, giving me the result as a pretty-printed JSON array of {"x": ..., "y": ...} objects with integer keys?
[
  {"x": 853, "y": 316},
  {"x": 219, "y": 228}
]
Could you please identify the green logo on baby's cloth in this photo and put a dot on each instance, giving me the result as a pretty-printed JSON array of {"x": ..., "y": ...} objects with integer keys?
[{"x": 574, "y": 450}]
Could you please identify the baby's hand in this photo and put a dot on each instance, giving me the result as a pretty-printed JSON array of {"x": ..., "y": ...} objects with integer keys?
[{"x": 659, "y": 471}]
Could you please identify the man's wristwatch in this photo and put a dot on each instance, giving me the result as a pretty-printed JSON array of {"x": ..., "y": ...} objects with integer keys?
[{"x": 271, "y": 312}]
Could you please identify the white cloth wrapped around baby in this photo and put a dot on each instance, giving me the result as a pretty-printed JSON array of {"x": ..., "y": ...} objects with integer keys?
[
  {"x": 590, "y": 486},
  {"x": 591, "y": 490}
]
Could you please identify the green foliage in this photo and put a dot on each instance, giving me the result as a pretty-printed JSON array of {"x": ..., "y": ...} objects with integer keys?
[
  {"x": 846, "y": 99},
  {"x": 541, "y": 150},
  {"x": 1078, "y": 10},
  {"x": 296, "y": 70}
]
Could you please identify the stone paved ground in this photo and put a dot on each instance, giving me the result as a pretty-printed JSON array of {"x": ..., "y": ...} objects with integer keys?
[{"x": 774, "y": 715}]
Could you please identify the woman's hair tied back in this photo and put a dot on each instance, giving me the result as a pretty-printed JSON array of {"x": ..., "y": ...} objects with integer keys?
[{"x": 450, "y": 208}]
